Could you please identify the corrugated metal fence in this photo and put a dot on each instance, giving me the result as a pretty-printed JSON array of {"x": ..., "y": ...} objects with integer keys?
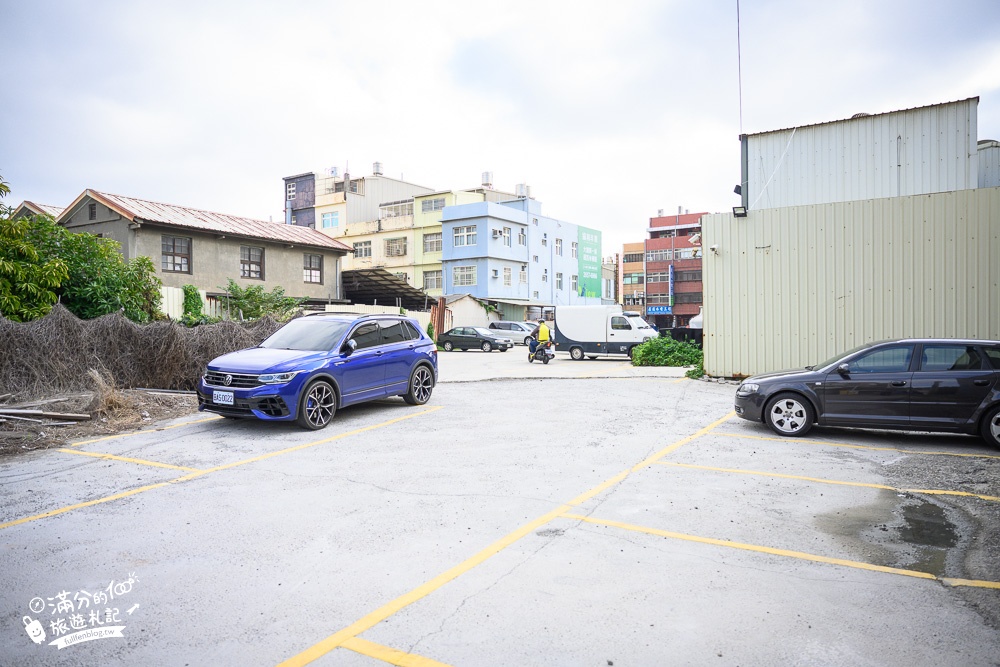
[{"x": 790, "y": 287}]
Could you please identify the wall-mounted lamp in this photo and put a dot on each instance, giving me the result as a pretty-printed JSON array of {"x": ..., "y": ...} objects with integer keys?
[
  {"x": 740, "y": 211},
  {"x": 714, "y": 248}
]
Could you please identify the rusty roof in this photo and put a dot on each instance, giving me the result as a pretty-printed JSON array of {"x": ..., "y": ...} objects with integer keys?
[
  {"x": 140, "y": 210},
  {"x": 41, "y": 209}
]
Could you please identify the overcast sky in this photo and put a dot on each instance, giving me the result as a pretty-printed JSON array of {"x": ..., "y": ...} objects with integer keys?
[{"x": 609, "y": 111}]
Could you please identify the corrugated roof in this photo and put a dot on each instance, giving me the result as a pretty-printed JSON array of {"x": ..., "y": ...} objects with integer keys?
[
  {"x": 139, "y": 210},
  {"x": 54, "y": 211},
  {"x": 862, "y": 116}
]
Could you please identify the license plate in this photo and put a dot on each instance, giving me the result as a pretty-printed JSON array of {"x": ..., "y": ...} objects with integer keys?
[{"x": 222, "y": 397}]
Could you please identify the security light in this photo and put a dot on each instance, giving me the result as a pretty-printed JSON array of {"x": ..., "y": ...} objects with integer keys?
[{"x": 740, "y": 211}]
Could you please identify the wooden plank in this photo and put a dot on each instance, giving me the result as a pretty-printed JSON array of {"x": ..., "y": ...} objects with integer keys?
[{"x": 44, "y": 414}]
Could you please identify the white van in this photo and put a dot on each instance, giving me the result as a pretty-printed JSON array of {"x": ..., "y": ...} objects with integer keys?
[{"x": 589, "y": 331}]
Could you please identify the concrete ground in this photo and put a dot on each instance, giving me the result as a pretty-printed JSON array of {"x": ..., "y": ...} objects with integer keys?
[{"x": 579, "y": 513}]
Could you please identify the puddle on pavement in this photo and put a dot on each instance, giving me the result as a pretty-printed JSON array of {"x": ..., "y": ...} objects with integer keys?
[{"x": 895, "y": 531}]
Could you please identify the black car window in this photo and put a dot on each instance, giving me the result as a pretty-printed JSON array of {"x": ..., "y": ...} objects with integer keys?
[
  {"x": 993, "y": 354},
  {"x": 620, "y": 323},
  {"x": 494, "y": 325},
  {"x": 393, "y": 332},
  {"x": 366, "y": 335},
  {"x": 307, "y": 334},
  {"x": 412, "y": 330},
  {"x": 883, "y": 360},
  {"x": 950, "y": 358}
]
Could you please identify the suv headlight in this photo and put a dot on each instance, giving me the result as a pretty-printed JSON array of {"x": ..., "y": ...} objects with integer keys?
[
  {"x": 748, "y": 388},
  {"x": 277, "y": 378}
]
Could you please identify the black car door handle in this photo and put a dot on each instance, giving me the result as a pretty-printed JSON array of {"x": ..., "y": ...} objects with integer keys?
[
  {"x": 898, "y": 383},
  {"x": 981, "y": 383}
]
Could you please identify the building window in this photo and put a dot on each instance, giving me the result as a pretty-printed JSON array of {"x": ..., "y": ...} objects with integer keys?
[
  {"x": 293, "y": 219},
  {"x": 396, "y": 209},
  {"x": 355, "y": 187},
  {"x": 251, "y": 262},
  {"x": 657, "y": 256},
  {"x": 559, "y": 247},
  {"x": 522, "y": 237},
  {"x": 432, "y": 280},
  {"x": 545, "y": 276},
  {"x": 464, "y": 276},
  {"x": 402, "y": 275},
  {"x": 687, "y": 297},
  {"x": 545, "y": 240},
  {"x": 290, "y": 192},
  {"x": 465, "y": 236},
  {"x": 331, "y": 219},
  {"x": 632, "y": 279},
  {"x": 559, "y": 284},
  {"x": 506, "y": 236},
  {"x": 522, "y": 277},
  {"x": 92, "y": 212},
  {"x": 506, "y": 276},
  {"x": 687, "y": 276},
  {"x": 657, "y": 277},
  {"x": 573, "y": 249},
  {"x": 363, "y": 249},
  {"x": 535, "y": 294},
  {"x": 432, "y": 242},
  {"x": 574, "y": 282},
  {"x": 312, "y": 269},
  {"x": 630, "y": 257},
  {"x": 687, "y": 253},
  {"x": 534, "y": 258},
  {"x": 431, "y": 205},
  {"x": 395, "y": 247},
  {"x": 175, "y": 254}
]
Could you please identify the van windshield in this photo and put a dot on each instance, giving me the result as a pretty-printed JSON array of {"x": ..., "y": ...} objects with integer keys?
[{"x": 638, "y": 322}]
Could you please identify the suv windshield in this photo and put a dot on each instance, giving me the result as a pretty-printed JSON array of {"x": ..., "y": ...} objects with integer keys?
[{"x": 307, "y": 334}]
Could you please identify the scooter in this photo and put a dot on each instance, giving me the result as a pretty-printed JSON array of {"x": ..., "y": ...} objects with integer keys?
[{"x": 544, "y": 352}]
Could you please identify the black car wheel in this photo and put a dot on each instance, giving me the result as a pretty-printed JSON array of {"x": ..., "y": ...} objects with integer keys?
[
  {"x": 789, "y": 414},
  {"x": 318, "y": 406},
  {"x": 421, "y": 386},
  {"x": 487, "y": 347},
  {"x": 991, "y": 427},
  {"x": 448, "y": 347}
]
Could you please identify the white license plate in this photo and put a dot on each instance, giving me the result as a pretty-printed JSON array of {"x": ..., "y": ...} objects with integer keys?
[{"x": 222, "y": 397}]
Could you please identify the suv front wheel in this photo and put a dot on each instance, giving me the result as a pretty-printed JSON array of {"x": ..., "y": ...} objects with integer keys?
[{"x": 318, "y": 406}]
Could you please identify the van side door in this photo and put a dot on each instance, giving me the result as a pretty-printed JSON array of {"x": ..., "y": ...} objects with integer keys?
[{"x": 619, "y": 334}]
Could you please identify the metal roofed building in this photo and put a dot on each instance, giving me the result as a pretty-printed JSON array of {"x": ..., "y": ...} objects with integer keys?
[
  {"x": 205, "y": 249},
  {"x": 28, "y": 208}
]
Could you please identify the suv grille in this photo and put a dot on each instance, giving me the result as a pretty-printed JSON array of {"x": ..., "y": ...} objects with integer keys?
[{"x": 239, "y": 380}]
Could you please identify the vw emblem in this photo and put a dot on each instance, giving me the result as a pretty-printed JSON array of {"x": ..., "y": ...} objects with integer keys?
[{"x": 228, "y": 380}]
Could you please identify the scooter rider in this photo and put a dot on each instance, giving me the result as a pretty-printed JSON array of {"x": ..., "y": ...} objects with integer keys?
[{"x": 540, "y": 334}]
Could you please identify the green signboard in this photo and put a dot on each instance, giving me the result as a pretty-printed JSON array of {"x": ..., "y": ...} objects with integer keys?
[{"x": 589, "y": 262}]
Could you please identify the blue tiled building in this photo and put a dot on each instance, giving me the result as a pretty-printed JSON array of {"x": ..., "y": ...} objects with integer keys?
[{"x": 509, "y": 252}]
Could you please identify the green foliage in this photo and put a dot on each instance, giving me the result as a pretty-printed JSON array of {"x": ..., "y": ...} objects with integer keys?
[
  {"x": 666, "y": 352},
  {"x": 100, "y": 281},
  {"x": 697, "y": 372},
  {"x": 28, "y": 279},
  {"x": 430, "y": 330},
  {"x": 251, "y": 303},
  {"x": 193, "y": 314}
]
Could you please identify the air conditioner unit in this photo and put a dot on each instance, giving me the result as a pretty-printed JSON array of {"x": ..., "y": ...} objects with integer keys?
[{"x": 496, "y": 233}]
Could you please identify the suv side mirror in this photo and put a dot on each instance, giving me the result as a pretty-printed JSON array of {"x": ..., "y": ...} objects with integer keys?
[
  {"x": 843, "y": 369},
  {"x": 349, "y": 347}
]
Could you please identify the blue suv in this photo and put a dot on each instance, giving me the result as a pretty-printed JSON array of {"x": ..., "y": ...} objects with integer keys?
[{"x": 316, "y": 364}]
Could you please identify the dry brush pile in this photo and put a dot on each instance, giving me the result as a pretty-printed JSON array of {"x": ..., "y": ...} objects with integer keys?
[{"x": 60, "y": 352}]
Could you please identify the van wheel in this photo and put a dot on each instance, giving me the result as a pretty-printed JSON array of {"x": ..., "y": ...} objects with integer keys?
[
  {"x": 630, "y": 352},
  {"x": 576, "y": 353}
]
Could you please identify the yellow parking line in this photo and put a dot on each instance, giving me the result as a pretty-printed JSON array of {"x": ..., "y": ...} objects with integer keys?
[
  {"x": 390, "y": 655},
  {"x": 199, "y": 473},
  {"x": 933, "y": 492},
  {"x": 783, "y": 552},
  {"x": 112, "y": 457},
  {"x": 372, "y": 619},
  {"x": 843, "y": 444},
  {"x": 152, "y": 430}
]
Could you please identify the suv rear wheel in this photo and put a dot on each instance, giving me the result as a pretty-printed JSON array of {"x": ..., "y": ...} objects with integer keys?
[{"x": 991, "y": 426}]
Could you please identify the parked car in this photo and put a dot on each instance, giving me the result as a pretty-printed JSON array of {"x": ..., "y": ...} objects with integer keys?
[
  {"x": 474, "y": 338},
  {"x": 519, "y": 332},
  {"x": 917, "y": 384},
  {"x": 315, "y": 365}
]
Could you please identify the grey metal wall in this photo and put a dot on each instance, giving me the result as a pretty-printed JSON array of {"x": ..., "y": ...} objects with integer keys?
[
  {"x": 790, "y": 287},
  {"x": 916, "y": 151},
  {"x": 989, "y": 164}
]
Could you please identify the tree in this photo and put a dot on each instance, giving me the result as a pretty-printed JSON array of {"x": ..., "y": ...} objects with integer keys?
[
  {"x": 28, "y": 279},
  {"x": 251, "y": 303}
]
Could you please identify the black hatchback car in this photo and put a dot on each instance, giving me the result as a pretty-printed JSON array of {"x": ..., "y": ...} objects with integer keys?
[
  {"x": 918, "y": 385},
  {"x": 474, "y": 338}
]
